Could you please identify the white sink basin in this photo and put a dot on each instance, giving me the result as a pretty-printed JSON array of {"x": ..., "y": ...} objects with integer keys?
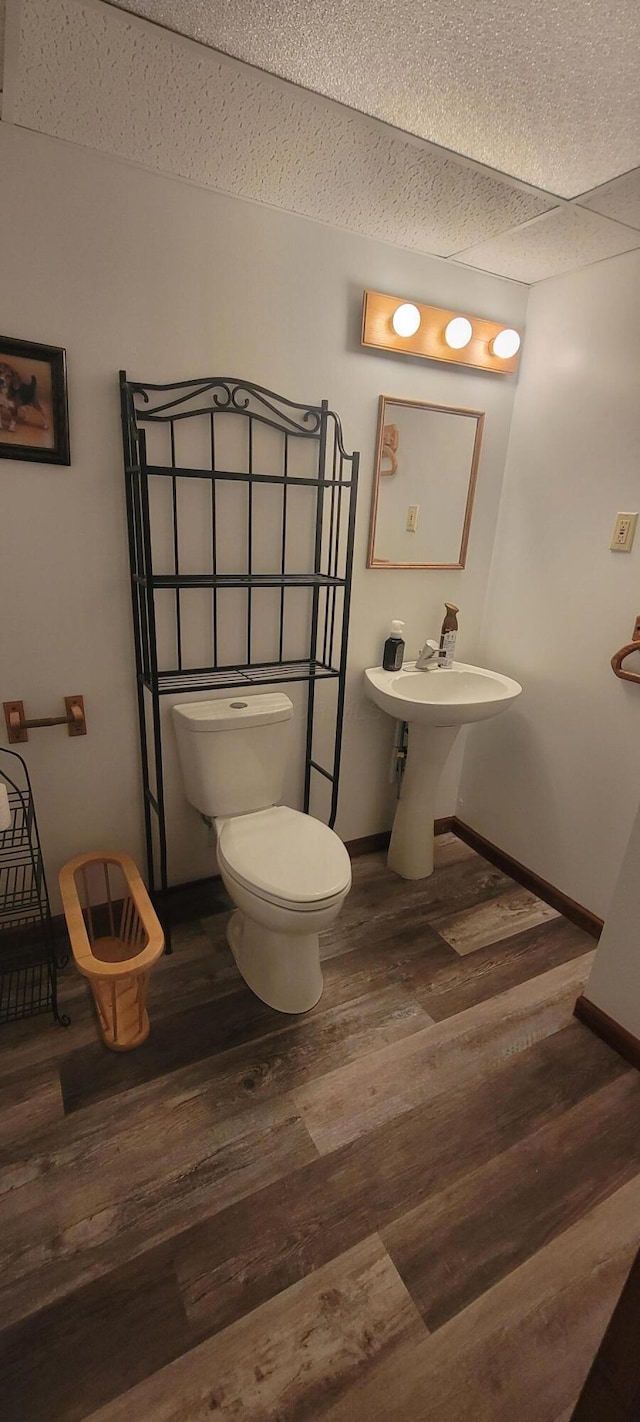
[
  {"x": 437, "y": 704},
  {"x": 452, "y": 697}
]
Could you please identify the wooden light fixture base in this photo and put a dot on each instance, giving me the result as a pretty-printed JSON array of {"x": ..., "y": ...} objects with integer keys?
[{"x": 428, "y": 341}]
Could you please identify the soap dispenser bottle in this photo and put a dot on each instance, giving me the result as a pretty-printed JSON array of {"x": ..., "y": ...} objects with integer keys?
[
  {"x": 394, "y": 648},
  {"x": 448, "y": 635}
]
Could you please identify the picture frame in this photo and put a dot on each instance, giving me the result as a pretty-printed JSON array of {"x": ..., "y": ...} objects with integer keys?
[{"x": 34, "y": 414}]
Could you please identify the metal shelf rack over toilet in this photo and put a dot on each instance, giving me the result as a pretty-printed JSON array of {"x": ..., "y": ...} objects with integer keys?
[
  {"x": 28, "y": 960},
  {"x": 282, "y": 453}
]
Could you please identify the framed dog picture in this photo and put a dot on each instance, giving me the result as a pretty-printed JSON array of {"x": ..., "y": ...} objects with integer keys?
[{"x": 34, "y": 418}]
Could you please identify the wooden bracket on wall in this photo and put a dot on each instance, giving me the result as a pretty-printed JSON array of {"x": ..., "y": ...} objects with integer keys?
[
  {"x": 619, "y": 657},
  {"x": 18, "y": 726}
]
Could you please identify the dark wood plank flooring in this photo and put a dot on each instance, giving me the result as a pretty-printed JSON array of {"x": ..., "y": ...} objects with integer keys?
[{"x": 420, "y": 1201}]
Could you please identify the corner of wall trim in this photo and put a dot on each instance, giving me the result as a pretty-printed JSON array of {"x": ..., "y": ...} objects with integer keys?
[
  {"x": 576, "y": 913},
  {"x": 611, "y": 1032}
]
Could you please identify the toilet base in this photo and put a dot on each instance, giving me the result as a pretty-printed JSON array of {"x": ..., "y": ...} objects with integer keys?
[{"x": 282, "y": 969}]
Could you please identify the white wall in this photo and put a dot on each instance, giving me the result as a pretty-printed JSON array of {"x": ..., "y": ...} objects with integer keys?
[
  {"x": 614, "y": 984},
  {"x": 133, "y": 269},
  {"x": 556, "y": 782}
]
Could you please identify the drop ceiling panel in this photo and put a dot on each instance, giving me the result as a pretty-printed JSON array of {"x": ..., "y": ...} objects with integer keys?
[
  {"x": 549, "y": 92},
  {"x": 93, "y": 75},
  {"x": 560, "y": 241},
  {"x": 620, "y": 199}
]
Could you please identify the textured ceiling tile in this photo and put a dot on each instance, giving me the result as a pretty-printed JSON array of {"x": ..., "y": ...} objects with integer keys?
[
  {"x": 548, "y": 91},
  {"x": 559, "y": 242},
  {"x": 92, "y": 75},
  {"x": 620, "y": 199}
]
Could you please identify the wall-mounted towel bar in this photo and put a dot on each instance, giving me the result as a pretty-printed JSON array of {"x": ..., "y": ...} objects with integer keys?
[{"x": 18, "y": 726}]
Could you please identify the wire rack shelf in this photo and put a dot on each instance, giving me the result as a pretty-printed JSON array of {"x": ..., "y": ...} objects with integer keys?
[
  {"x": 255, "y": 545},
  {"x": 28, "y": 960}
]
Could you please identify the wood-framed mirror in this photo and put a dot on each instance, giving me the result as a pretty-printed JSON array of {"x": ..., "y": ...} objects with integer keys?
[{"x": 426, "y": 468}]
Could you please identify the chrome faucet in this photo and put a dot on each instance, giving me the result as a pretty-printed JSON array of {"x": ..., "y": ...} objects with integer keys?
[{"x": 429, "y": 658}]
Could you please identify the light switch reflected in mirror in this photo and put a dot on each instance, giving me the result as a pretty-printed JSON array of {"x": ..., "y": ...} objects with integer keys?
[{"x": 425, "y": 476}]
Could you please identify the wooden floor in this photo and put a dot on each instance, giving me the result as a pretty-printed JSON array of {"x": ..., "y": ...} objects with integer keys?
[{"x": 418, "y": 1202}]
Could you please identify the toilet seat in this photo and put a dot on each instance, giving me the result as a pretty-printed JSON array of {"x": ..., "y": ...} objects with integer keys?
[{"x": 284, "y": 857}]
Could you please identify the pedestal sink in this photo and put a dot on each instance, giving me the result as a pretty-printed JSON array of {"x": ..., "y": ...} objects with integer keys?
[{"x": 436, "y": 704}]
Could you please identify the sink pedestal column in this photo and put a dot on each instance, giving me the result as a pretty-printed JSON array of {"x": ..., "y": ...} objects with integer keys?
[{"x": 411, "y": 847}]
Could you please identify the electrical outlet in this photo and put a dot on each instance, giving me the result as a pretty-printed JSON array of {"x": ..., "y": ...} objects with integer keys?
[
  {"x": 412, "y": 517},
  {"x": 623, "y": 533}
]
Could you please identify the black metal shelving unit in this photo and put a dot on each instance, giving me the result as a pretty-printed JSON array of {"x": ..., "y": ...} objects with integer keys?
[
  {"x": 160, "y": 530},
  {"x": 28, "y": 960}
]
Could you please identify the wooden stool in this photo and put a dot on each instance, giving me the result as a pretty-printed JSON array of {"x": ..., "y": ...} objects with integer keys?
[{"x": 118, "y": 962}]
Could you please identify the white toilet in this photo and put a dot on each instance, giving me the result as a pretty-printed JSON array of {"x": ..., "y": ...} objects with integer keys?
[{"x": 288, "y": 873}]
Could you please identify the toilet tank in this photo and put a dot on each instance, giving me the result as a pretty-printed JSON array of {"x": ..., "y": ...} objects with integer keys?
[{"x": 233, "y": 752}]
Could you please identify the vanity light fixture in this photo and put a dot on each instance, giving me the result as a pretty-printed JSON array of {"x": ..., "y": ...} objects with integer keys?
[
  {"x": 458, "y": 333},
  {"x": 505, "y": 344},
  {"x": 391, "y": 323},
  {"x": 406, "y": 319}
]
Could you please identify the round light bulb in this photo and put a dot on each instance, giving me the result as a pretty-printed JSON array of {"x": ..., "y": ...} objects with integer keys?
[
  {"x": 406, "y": 319},
  {"x": 458, "y": 333},
  {"x": 505, "y": 344}
]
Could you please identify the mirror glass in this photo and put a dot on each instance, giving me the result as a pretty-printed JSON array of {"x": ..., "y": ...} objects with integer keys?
[{"x": 425, "y": 475}]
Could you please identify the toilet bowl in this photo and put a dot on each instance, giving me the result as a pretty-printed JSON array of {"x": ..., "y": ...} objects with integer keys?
[{"x": 287, "y": 873}]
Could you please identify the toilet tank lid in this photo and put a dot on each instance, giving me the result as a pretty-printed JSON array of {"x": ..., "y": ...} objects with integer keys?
[{"x": 231, "y": 713}]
